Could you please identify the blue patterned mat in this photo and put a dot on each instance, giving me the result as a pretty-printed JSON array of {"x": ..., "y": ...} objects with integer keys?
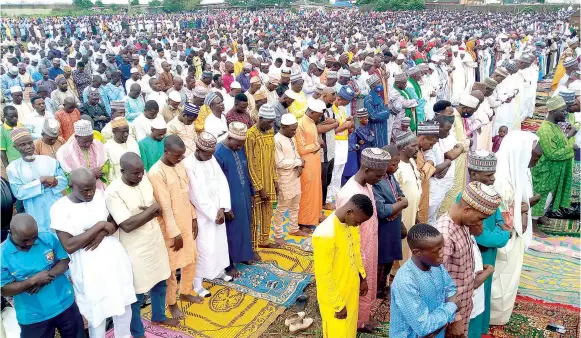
[{"x": 269, "y": 282}]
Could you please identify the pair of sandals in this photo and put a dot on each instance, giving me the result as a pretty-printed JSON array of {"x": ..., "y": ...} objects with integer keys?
[
  {"x": 298, "y": 322},
  {"x": 204, "y": 293}
]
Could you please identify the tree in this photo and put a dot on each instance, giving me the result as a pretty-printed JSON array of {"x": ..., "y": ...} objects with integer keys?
[
  {"x": 99, "y": 3},
  {"x": 82, "y": 3},
  {"x": 180, "y": 5},
  {"x": 134, "y": 2},
  {"x": 393, "y": 5},
  {"x": 154, "y": 3}
]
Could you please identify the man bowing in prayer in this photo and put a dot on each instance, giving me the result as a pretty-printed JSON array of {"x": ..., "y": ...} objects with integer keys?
[
  {"x": 84, "y": 152},
  {"x": 212, "y": 202},
  {"x": 177, "y": 221},
  {"x": 232, "y": 159},
  {"x": 339, "y": 268},
  {"x": 36, "y": 180},
  {"x": 132, "y": 205},
  {"x": 374, "y": 162},
  {"x": 260, "y": 153}
]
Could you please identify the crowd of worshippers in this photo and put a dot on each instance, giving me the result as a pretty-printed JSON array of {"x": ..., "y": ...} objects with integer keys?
[{"x": 162, "y": 161}]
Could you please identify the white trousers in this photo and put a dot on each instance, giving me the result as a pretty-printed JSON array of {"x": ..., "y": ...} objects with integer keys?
[
  {"x": 121, "y": 325},
  {"x": 335, "y": 184}
]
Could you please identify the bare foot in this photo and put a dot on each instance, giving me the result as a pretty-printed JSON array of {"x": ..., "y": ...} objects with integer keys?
[
  {"x": 191, "y": 298},
  {"x": 329, "y": 206},
  {"x": 175, "y": 311},
  {"x": 370, "y": 326},
  {"x": 279, "y": 241},
  {"x": 168, "y": 322},
  {"x": 234, "y": 273},
  {"x": 248, "y": 262},
  {"x": 305, "y": 229},
  {"x": 322, "y": 218},
  {"x": 256, "y": 257},
  {"x": 299, "y": 233}
]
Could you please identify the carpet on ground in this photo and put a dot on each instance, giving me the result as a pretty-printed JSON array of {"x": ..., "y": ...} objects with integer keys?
[
  {"x": 567, "y": 246},
  {"x": 561, "y": 227},
  {"x": 550, "y": 278},
  {"x": 270, "y": 282},
  {"x": 288, "y": 257},
  {"x": 530, "y": 318}
]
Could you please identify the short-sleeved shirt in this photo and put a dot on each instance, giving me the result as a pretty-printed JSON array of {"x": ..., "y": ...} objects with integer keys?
[
  {"x": 6, "y": 143},
  {"x": 17, "y": 266}
]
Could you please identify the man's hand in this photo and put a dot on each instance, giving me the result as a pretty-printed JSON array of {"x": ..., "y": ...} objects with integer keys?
[
  {"x": 341, "y": 314},
  {"x": 220, "y": 216},
  {"x": 178, "y": 243},
  {"x": 329, "y": 121},
  {"x": 454, "y": 299},
  {"x": 299, "y": 171},
  {"x": 534, "y": 200},
  {"x": 109, "y": 227},
  {"x": 195, "y": 228},
  {"x": 96, "y": 241},
  {"x": 363, "y": 288},
  {"x": 229, "y": 215},
  {"x": 98, "y": 172},
  {"x": 48, "y": 181},
  {"x": 155, "y": 209},
  {"x": 263, "y": 195},
  {"x": 455, "y": 330},
  {"x": 403, "y": 201}
]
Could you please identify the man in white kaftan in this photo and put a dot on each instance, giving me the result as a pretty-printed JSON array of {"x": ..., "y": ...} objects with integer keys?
[
  {"x": 210, "y": 194},
  {"x": 102, "y": 277}
]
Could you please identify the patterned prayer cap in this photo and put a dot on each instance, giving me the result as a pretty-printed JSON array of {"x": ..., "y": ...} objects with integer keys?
[
  {"x": 423, "y": 67},
  {"x": 200, "y": 92},
  {"x": 412, "y": 71},
  {"x": 501, "y": 71},
  {"x": 469, "y": 101},
  {"x": 247, "y": 66},
  {"x": 575, "y": 87},
  {"x": 346, "y": 93},
  {"x": 570, "y": 62},
  {"x": 490, "y": 83},
  {"x": 117, "y": 105},
  {"x": 119, "y": 122},
  {"x": 17, "y": 133},
  {"x": 509, "y": 65},
  {"x": 368, "y": 61},
  {"x": 273, "y": 80},
  {"x": 206, "y": 74},
  {"x": 429, "y": 128},
  {"x": 373, "y": 80},
  {"x": 191, "y": 109},
  {"x": 51, "y": 127},
  {"x": 400, "y": 77},
  {"x": 206, "y": 141},
  {"x": 210, "y": 97},
  {"x": 375, "y": 158},
  {"x": 344, "y": 73},
  {"x": 266, "y": 111},
  {"x": 320, "y": 65},
  {"x": 567, "y": 95},
  {"x": 254, "y": 79},
  {"x": 361, "y": 113},
  {"x": 555, "y": 102},
  {"x": 296, "y": 77},
  {"x": 237, "y": 130},
  {"x": 83, "y": 128},
  {"x": 260, "y": 94},
  {"x": 481, "y": 198},
  {"x": 405, "y": 121},
  {"x": 331, "y": 74},
  {"x": 404, "y": 139},
  {"x": 482, "y": 160}
]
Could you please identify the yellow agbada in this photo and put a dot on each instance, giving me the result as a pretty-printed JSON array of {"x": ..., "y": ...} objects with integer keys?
[
  {"x": 460, "y": 170},
  {"x": 299, "y": 106},
  {"x": 338, "y": 264},
  {"x": 205, "y": 111}
]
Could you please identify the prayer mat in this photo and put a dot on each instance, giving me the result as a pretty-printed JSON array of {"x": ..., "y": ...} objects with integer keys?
[
  {"x": 550, "y": 278},
  {"x": 288, "y": 257},
  {"x": 268, "y": 281},
  {"x": 154, "y": 331},
  {"x": 567, "y": 246},
  {"x": 296, "y": 240},
  {"x": 561, "y": 227},
  {"x": 227, "y": 313},
  {"x": 531, "y": 125},
  {"x": 530, "y": 318}
]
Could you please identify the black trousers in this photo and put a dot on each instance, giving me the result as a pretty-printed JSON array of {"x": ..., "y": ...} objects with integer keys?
[
  {"x": 69, "y": 322},
  {"x": 326, "y": 175}
]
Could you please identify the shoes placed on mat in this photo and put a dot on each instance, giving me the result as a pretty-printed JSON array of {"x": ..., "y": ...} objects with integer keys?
[
  {"x": 302, "y": 325},
  {"x": 294, "y": 318},
  {"x": 203, "y": 293},
  {"x": 224, "y": 276},
  {"x": 301, "y": 302}
]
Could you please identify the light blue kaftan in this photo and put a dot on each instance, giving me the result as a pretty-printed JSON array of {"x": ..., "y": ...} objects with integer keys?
[{"x": 24, "y": 178}]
